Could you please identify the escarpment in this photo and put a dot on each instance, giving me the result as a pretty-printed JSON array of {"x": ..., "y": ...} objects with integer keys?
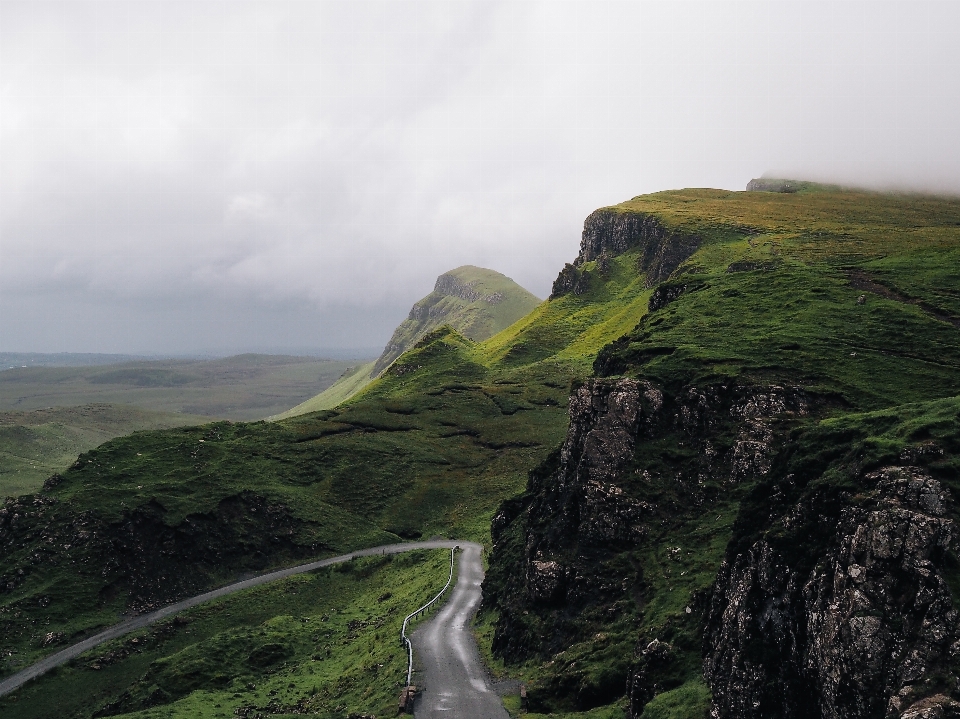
[
  {"x": 752, "y": 513},
  {"x": 608, "y": 233},
  {"x": 832, "y": 598},
  {"x": 863, "y": 626},
  {"x": 579, "y": 549}
]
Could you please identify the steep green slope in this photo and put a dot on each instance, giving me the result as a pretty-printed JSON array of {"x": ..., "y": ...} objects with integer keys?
[
  {"x": 745, "y": 383},
  {"x": 476, "y": 302}
]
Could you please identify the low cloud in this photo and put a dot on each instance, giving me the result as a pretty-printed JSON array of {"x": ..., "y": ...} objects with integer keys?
[{"x": 171, "y": 170}]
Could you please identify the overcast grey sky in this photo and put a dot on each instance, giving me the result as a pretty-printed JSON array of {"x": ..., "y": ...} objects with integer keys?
[{"x": 221, "y": 176}]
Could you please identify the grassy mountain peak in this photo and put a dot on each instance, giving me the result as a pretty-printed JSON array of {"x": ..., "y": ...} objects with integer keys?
[{"x": 476, "y": 302}]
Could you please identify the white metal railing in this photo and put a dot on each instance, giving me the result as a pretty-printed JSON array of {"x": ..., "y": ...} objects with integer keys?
[{"x": 404, "y": 639}]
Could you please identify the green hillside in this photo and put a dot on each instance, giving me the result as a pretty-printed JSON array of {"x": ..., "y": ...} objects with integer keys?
[
  {"x": 61, "y": 405},
  {"x": 706, "y": 350},
  {"x": 476, "y": 302},
  {"x": 39, "y": 443},
  {"x": 430, "y": 448}
]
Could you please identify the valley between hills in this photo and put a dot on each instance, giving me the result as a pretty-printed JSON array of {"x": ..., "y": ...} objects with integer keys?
[{"x": 715, "y": 475}]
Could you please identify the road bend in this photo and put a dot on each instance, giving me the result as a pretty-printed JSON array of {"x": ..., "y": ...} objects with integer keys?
[
  {"x": 454, "y": 683},
  {"x": 14, "y": 681}
]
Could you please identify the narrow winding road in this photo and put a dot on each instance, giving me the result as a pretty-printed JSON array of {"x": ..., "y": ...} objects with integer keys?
[
  {"x": 14, "y": 681},
  {"x": 449, "y": 669}
]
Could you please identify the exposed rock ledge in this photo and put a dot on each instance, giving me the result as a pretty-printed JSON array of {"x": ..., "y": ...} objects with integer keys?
[{"x": 608, "y": 233}]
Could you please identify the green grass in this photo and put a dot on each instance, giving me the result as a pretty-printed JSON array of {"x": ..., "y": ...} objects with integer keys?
[
  {"x": 327, "y": 642},
  {"x": 690, "y": 701}
]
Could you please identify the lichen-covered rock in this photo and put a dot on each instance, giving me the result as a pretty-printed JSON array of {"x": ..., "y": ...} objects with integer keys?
[
  {"x": 859, "y": 635},
  {"x": 544, "y": 581},
  {"x": 603, "y": 427}
]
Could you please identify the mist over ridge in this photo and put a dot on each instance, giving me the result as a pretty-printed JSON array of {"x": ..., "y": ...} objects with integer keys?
[{"x": 213, "y": 178}]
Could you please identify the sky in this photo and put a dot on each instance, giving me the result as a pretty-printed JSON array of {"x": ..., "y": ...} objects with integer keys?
[{"x": 214, "y": 177}]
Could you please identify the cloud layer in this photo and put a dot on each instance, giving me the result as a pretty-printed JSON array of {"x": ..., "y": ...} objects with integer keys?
[{"x": 188, "y": 176}]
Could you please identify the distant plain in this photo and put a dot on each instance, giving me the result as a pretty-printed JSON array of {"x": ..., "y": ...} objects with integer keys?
[{"x": 49, "y": 414}]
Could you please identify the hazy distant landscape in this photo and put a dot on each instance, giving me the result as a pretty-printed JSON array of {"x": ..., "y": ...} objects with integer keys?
[
  {"x": 244, "y": 387},
  {"x": 59, "y": 406}
]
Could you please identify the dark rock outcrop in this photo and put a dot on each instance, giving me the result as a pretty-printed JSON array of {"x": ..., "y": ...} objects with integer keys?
[
  {"x": 869, "y": 631},
  {"x": 664, "y": 295},
  {"x": 555, "y": 548},
  {"x": 608, "y": 233},
  {"x": 571, "y": 280}
]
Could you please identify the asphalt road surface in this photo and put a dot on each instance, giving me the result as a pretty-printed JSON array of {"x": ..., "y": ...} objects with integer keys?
[
  {"x": 118, "y": 630},
  {"x": 448, "y": 667}
]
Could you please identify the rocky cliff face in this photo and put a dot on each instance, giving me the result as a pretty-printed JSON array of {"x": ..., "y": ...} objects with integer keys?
[
  {"x": 833, "y": 599},
  {"x": 608, "y": 233},
  {"x": 616, "y": 482},
  {"x": 868, "y": 631}
]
